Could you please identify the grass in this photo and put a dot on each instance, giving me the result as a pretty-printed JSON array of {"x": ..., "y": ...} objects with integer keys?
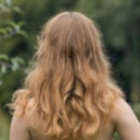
[{"x": 4, "y": 126}]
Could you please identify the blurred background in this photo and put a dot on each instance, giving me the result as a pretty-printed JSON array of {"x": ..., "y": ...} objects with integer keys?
[{"x": 21, "y": 21}]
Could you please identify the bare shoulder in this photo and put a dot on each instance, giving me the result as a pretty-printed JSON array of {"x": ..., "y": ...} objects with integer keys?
[
  {"x": 121, "y": 109},
  {"x": 119, "y": 105},
  {"x": 125, "y": 120},
  {"x": 23, "y": 120},
  {"x": 19, "y": 128}
]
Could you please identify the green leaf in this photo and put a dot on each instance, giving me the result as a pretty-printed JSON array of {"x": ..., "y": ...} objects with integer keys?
[
  {"x": 21, "y": 23},
  {"x": 4, "y": 57},
  {"x": 17, "y": 9},
  {"x": 17, "y": 28},
  {"x": 3, "y": 69},
  {"x": 15, "y": 64},
  {"x": 19, "y": 60},
  {"x": 9, "y": 29},
  {"x": 10, "y": 23},
  {"x": 3, "y": 31},
  {"x": 8, "y": 2},
  {"x": 22, "y": 33}
]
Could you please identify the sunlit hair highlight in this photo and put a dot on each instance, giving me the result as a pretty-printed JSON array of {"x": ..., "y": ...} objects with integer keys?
[{"x": 71, "y": 80}]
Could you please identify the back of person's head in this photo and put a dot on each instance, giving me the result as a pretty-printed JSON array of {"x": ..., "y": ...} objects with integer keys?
[{"x": 71, "y": 81}]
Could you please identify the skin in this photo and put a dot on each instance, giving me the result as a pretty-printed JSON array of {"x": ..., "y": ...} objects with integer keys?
[{"x": 123, "y": 120}]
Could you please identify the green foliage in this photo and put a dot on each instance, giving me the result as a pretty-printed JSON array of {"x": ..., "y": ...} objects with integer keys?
[
  {"x": 4, "y": 127},
  {"x": 7, "y": 63},
  {"x": 8, "y": 29}
]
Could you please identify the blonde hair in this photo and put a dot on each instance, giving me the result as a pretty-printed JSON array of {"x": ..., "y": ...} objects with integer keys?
[{"x": 71, "y": 82}]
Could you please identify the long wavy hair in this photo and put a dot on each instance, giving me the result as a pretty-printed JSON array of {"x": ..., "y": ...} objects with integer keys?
[{"x": 71, "y": 79}]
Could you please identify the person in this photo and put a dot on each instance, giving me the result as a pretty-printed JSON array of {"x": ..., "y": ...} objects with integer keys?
[{"x": 69, "y": 92}]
